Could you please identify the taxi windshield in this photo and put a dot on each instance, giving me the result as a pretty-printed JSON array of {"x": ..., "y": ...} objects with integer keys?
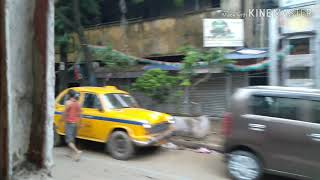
[{"x": 118, "y": 101}]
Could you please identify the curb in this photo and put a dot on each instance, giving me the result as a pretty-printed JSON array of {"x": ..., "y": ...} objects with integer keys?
[{"x": 197, "y": 145}]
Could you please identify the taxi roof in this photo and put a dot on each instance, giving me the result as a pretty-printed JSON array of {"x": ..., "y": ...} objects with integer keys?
[{"x": 100, "y": 90}]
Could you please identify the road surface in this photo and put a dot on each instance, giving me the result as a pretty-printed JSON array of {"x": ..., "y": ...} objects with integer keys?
[{"x": 162, "y": 164}]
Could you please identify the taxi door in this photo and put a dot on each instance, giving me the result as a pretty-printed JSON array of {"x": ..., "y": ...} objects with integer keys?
[
  {"x": 59, "y": 109},
  {"x": 91, "y": 115}
]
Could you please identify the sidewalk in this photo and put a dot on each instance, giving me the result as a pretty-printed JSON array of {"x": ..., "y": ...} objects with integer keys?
[{"x": 214, "y": 141}]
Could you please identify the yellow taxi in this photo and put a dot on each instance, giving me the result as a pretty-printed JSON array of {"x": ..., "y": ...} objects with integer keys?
[{"x": 113, "y": 117}]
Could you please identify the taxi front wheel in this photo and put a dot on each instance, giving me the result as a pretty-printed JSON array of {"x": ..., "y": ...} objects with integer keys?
[{"x": 120, "y": 146}]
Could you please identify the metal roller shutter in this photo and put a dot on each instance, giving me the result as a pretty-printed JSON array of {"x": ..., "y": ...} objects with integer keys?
[{"x": 211, "y": 95}]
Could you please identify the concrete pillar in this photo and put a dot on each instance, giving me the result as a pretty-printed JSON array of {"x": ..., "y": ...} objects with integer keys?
[{"x": 27, "y": 97}]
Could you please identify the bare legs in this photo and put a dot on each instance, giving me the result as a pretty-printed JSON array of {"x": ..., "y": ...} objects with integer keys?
[{"x": 77, "y": 152}]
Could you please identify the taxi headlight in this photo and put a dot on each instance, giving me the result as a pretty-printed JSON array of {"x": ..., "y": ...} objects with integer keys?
[
  {"x": 171, "y": 120},
  {"x": 146, "y": 125}
]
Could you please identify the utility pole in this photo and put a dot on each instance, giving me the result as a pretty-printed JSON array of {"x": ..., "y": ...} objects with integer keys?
[
  {"x": 273, "y": 48},
  {"x": 317, "y": 45}
]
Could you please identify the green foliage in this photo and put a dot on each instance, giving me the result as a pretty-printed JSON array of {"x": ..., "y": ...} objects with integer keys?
[
  {"x": 137, "y": 1},
  {"x": 62, "y": 40},
  {"x": 90, "y": 13},
  {"x": 113, "y": 60},
  {"x": 179, "y": 3},
  {"x": 156, "y": 84},
  {"x": 196, "y": 58}
]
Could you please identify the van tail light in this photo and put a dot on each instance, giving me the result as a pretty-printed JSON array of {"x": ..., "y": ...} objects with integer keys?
[{"x": 227, "y": 124}]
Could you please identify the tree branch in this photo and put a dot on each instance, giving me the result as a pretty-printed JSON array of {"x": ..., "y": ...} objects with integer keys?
[
  {"x": 66, "y": 20},
  {"x": 201, "y": 80}
]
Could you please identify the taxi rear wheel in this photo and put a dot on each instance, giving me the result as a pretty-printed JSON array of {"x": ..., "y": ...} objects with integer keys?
[{"x": 120, "y": 146}]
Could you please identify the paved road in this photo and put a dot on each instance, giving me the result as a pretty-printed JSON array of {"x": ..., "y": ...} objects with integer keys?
[{"x": 149, "y": 164}]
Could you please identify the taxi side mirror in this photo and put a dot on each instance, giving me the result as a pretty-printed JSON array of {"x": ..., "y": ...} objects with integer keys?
[{"x": 100, "y": 109}]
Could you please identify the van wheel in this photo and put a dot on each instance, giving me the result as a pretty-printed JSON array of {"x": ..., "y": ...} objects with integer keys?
[
  {"x": 120, "y": 146},
  {"x": 57, "y": 138},
  {"x": 243, "y": 165}
]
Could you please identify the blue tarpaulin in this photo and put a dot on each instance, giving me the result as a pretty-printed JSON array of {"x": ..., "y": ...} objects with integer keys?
[
  {"x": 162, "y": 67},
  {"x": 240, "y": 54}
]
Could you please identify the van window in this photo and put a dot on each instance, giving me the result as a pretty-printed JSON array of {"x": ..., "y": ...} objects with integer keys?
[
  {"x": 261, "y": 105},
  {"x": 279, "y": 107},
  {"x": 315, "y": 111},
  {"x": 288, "y": 108}
]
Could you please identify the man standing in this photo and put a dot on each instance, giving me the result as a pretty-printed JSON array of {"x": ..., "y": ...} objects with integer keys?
[{"x": 72, "y": 117}]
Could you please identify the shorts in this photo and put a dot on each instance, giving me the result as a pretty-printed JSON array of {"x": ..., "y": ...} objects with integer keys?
[{"x": 71, "y": 132}]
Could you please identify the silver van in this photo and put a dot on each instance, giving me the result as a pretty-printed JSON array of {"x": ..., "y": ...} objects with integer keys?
[{"x": 273, "y": 130}]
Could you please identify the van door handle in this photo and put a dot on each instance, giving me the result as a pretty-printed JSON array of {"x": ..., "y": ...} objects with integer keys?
[
  {"x": 314, "y": 137},
  {"x": 257, "y": 127}
]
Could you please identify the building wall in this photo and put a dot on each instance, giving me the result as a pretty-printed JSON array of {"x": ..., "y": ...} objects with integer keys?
[
  {"x": 256, "y": 27},
  {"x": 298, "y": 67},
  {"x": 162, "y": 36},
  {"x": 159, "y": 36}
]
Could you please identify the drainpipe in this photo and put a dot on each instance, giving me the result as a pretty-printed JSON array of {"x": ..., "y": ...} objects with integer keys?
[
  {"x": 228, "y": 88},
  {"x": 273, "y": 44},
  {"x": 317, "y": 45}
]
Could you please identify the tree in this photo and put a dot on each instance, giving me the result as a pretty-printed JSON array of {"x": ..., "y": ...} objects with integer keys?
[
  {"x": 61, "y": 41},
  {"x": 196, "y": 58},
  {"x": 156, "y": 84},
  {"x": 113, "y": 60},
  {"x": 72, "y": 15}
]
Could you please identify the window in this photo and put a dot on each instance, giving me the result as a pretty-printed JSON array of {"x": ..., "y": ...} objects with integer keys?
[
  {"x": 299, "y": 73},
  {"x": 315, "y": 111},
  {"x": 299, "y": 46},
  {"x": 261, "y": 105},
  {"x": 215, "y": 3},
  {"x": 279, "y": 107},
  {"x": 63, "y": 99},
  {"x": 91, "y": 101},
  {"x": 117, "y": 101},
  {"x": 288, "y": 108},
  {"x": 112, "y": 102}
]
